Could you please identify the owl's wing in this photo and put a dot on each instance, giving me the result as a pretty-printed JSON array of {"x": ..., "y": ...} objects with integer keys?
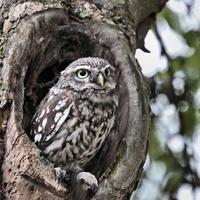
[{"x": 50, "y": 115}]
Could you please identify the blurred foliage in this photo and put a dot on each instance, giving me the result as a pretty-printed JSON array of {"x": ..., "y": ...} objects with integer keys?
[
  {"x": 172, "y": 149},
  {"x": 171, "y": 18}
]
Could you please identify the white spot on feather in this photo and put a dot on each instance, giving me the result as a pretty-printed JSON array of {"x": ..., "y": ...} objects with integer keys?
[
  {"x": 57, "y": 116},
  {"x": 48, "y": 110},
  {"x": 60, "y": 102},
  {"x": 51, "y": 97},
  {"x": 57, "y": 107},
  {"x": 48, "y": 137},
  {"x": 37, "y": 119},
  {"x": 60, "y": 120},
  {"x": 64, "y": 116},
  {"x": 39, "y": 129},
  {"x": 60, "y": 105},
  {"x": 37, "y": 137},
  {"x": 44, "y": 122},
  {"x": 56, "y": 91},
  {"x": 42, "y": 113}
]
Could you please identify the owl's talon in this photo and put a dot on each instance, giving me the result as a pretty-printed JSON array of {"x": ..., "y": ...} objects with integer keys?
[
  {"x": 93, "y": 190},
  {"x": 88, "y": 182}
]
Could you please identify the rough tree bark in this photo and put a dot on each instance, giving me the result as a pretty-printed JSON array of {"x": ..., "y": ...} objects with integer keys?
[{"x": 38, "y": 40}]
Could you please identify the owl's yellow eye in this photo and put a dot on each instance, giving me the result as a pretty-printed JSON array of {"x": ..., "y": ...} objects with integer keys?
[{"x": 82, "y": 73}]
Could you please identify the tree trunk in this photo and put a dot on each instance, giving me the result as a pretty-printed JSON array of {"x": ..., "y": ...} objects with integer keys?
[{"x": 38, "y": 40}]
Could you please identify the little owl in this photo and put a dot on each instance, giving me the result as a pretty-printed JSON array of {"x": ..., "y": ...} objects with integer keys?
[{"x": 76, "y": 116}]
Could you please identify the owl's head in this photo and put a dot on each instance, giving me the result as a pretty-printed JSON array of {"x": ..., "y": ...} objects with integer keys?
[{"x": 90, "y": 75}]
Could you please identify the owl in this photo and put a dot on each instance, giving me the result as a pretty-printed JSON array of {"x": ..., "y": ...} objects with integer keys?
[{"x": 76, "y": 116}]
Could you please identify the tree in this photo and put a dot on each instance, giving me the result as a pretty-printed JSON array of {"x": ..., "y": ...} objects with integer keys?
[
  {"x": 173, "y": 164},
  {"x": 38, "y": 40}
]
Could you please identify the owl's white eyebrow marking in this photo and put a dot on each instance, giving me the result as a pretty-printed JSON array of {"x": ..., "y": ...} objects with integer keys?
[
  {"x": 82, "y": 67},
  {"x": 109, "y": 66},
  {"x": 87, "y": 67}
]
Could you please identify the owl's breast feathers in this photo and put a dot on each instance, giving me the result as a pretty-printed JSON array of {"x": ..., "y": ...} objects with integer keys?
[{"x": 68, "y": 128}]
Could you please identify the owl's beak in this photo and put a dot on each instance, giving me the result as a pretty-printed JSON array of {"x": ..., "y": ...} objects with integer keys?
[{"x": 100, "y": 79}]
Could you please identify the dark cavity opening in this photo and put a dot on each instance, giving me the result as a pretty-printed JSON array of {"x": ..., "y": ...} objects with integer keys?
[{"x": 53, "y": 48}]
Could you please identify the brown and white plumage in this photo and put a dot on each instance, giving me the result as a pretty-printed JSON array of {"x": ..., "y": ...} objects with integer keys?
[{"x": 75, "y": 117}]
